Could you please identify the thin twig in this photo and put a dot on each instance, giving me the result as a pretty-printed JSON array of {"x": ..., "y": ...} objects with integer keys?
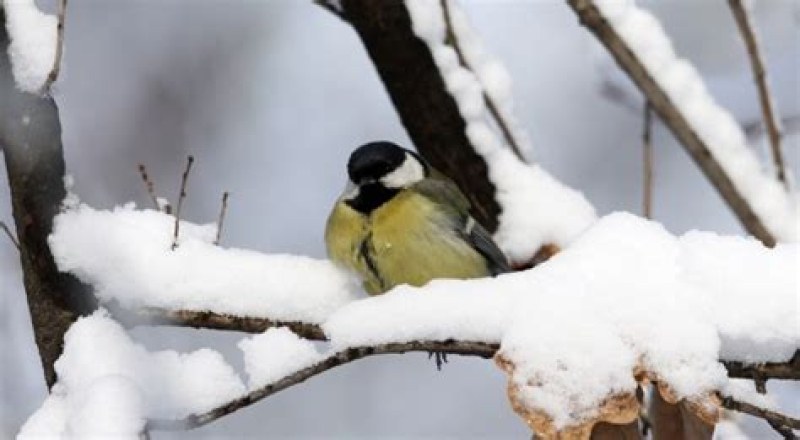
[
  {"x": 339, "y": 358},
  {"x": 452, "y": 40},
  {"x": 10, "y": 235},
  {"x": 672, "y": 117},
  {"x": 766, "y": 100},
  {"x": 647, "y": 145},
  {"x": 762, "y": 413},
  {"x": 54, "y": 71},
  {"x": 221, "y": 220},
  {"x": 181, "y": 196},
  {"x": 151, "y": 191}
]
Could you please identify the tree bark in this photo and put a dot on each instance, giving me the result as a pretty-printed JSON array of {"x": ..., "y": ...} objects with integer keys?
[
  {"x": 30, "y": 136},
  {"x": 428, "y": 112}
]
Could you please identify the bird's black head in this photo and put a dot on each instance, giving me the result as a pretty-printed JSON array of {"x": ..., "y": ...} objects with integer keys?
[
  {"x": 387, "y": 163},
  {"x": 378, "y": 171}
]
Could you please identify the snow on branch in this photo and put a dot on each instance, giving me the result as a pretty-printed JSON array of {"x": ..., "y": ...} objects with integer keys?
[
  {"x": 536, "y": 209},
  {"x": 126, "y": 255},
  {"x": 564, "y": 359},
  {"x": 109, "y": 386},
  {"x": 709, "y": 133},
  {"x": 35, "y": 40}
]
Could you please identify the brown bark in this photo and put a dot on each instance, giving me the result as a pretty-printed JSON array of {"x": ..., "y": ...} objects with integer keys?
[
  {"x": 428, "y": 112},
  {"x": 675, "y": 422},
  {"x": 30, "y": 135}
]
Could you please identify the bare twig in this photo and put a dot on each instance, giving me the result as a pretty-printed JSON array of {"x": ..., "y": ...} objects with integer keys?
[
  {"x": 762, "y": 413},
  {"x": 647, "y": 145},
  {"x": 53, "y": 75},
  {"x": 672, "y": 117},
  {"x": 10, "y": 235},
  {"x": 151, "y": 191},
  {"x": 332, "y": 361},
  {"x": 766, "y": 100},
  {"x": 221, "y": 220},
  {"x": 181, "y": 196},
  {"x": 452, "y": 40}
]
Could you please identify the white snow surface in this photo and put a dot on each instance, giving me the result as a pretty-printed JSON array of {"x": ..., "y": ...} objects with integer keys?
[
  {"x": 536, "y": 208},
  {"x": 108, "y": 385},
  {"x": 643, "y": 33},
  {"x": 276, "y": 353},
  {"x": 33, "y": 43},
  {"x": 126, "y": 255},
  {"x": 625, "y": 293}
]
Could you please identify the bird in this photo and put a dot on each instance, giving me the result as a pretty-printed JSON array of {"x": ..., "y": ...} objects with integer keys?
[{"x": 400, "y": 221}]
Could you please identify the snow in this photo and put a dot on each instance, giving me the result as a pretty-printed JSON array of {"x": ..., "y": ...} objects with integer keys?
[
  {"x": 33, "y": 43},
  {"x": 625, "y": 296},
  {"x": 642, "y": 32},
  {"x": 126, "y": 255},
  {"x": 536, "y": 208},
  {"x": 108, "y": 385},
  {"x": 274, "y": 354},
  {"x": 670, "y": 305}
]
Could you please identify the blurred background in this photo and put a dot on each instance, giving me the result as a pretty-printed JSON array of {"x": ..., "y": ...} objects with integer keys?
[{"x": 271, "y": 96}]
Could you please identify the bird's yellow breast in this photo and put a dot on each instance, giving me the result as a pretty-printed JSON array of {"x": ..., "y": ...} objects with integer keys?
[{"x": 406, "y": 240}]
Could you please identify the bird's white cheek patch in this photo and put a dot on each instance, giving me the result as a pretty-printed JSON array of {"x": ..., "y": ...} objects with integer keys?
[
  {"x": 409, "y": 173},
  {"x": 351, "y": 191}
]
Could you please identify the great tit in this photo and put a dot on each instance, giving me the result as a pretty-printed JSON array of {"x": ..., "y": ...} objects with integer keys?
[{"x": 399, "y": 221}]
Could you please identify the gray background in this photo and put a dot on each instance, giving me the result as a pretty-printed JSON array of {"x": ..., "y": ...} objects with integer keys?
[{"x": 271, "y": 96}]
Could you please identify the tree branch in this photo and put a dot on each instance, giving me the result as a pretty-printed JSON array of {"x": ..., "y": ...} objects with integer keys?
[
  {"x": 762, "y": 413},
  {"x": 764, "y": 96},
  {"x": 214, "y": 321},
  {"x": 333, "y": 361},
  {"x": 452, "y": 40},
  {"x": 647, "y": 159},
  {"x": 591, "y": 18},
  {"x": 30, "y": 134},
  {"x": 53, "y": 75},
  {"x": 789, "y": 370},
  {"x": 428, "y": 112}
]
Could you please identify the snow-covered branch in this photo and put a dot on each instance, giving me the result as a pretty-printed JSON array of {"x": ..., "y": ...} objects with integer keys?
[
  {"x": 698, "y": 283},
  {"x": 709, "y": 134},
  {"x": 334, "y": 360},
  {"x": 30, "y": 137},
  {"x": 215, "y": 321}
]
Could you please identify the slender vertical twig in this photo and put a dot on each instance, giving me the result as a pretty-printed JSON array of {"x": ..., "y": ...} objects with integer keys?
[
  {"x": 53, "y": 75},
  {"x": 452, "y": 40},
  {"x": 181, "y": 196},
  {"x": 221, "y": 220},
  {"x": 647, "y": 165},
  {"x": 149, "y": 185},
  {"x": 745, "y": 25},
  {"x": 10, "y": 235}
]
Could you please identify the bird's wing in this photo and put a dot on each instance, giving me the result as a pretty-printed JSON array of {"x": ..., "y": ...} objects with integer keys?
[{"x": 445, "y": 193}]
